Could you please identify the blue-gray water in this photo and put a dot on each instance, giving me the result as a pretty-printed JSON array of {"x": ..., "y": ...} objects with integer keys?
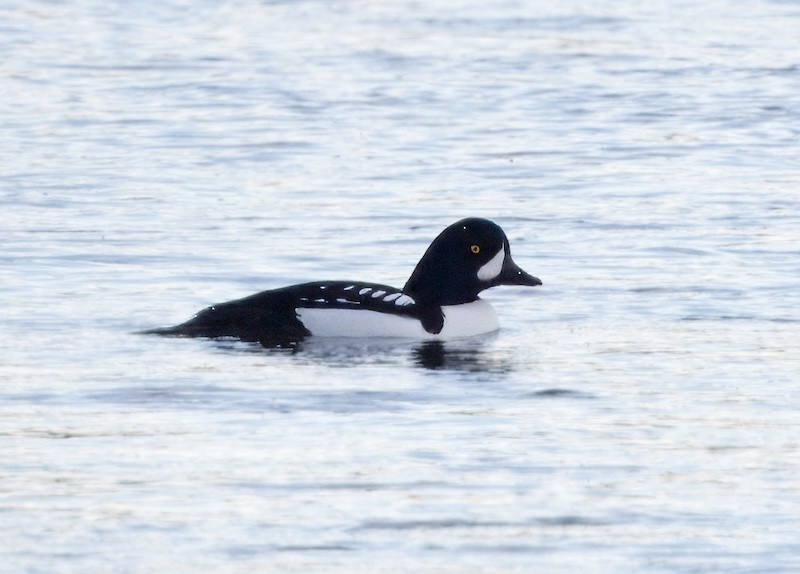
[{"x": 640, "y": 412}]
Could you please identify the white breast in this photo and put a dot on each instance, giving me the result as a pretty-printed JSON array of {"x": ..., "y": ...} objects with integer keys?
[{"x": 466, "y": 320}]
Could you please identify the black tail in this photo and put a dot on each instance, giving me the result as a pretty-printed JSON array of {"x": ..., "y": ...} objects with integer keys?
[{"x": 265, "y": 318}]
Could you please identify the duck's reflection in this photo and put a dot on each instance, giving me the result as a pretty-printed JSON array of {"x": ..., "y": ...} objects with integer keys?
[
  {"x": 475, "y": 354},
  {"x": 472, "y": 356}
]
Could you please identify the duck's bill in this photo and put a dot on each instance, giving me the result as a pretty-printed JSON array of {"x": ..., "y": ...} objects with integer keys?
[{"x": 513, "y": 275}]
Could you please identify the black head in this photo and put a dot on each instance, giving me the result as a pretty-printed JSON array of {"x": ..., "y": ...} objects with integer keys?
[{"x": 466, "y": 258}]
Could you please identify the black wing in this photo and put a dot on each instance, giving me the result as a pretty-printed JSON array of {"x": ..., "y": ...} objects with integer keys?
[
  {"x": 270, "y": 317},
  {"x": 368, "y": 296}
]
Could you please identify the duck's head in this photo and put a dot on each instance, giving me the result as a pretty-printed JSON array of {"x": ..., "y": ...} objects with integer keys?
[{"x": 469, "y": 256}]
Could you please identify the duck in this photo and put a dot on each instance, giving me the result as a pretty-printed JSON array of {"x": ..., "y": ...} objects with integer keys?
[{"x": 440, "y": 300}]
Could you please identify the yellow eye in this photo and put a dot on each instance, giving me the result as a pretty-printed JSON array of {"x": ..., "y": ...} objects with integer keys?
[{"x": 475, "y": 249}]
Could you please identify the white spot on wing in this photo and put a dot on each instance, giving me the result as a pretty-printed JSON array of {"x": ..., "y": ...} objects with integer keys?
[
  {"x": 392, "y": 297},
  {"x": 364, "y": 291},
  {"x": 404, "y": 300},
  {"x": 349, "y": 287},
  {"x": 493, "y": 267},
  {"x": 378, "y": 294}
]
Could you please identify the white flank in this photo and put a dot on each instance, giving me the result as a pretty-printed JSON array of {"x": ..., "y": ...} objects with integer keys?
[
  {"x": 466, "y": 320},
  {"x": 493, "y": 267}
]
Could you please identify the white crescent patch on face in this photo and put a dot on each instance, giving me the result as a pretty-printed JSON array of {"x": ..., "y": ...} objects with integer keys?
[{"x": 493, "y": 267}]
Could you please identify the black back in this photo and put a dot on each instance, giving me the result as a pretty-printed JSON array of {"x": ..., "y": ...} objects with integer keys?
[{"x": 270, "y": 317}]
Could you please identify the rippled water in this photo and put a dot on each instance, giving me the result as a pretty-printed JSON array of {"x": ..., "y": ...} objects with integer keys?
[{"x": 639, "y": 412}]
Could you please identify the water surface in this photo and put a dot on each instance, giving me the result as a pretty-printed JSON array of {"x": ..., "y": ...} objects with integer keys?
[{"x": 639, "y": 412}]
